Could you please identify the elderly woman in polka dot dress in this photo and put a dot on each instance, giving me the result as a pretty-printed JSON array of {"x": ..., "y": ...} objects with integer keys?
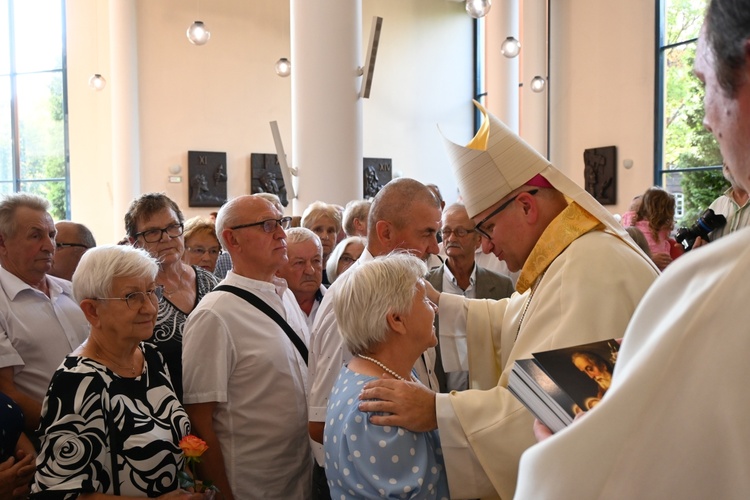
[{"x": 387, "y": 322}]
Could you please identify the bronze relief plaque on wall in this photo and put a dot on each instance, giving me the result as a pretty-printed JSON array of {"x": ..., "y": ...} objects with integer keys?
[
  {"x": 265, "y": 176},
  {"x": 207, "y": 172},
  {"x": 600, "y": 174},
  {"x": 377, "y": 172}
]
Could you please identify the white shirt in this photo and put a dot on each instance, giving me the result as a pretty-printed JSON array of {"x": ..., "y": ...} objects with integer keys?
[
  {"x": 236, "y": 355},
  {"x": 309, "y": 320},
  {"x": 36, "y": 331},
  {"x": 450, "y": 285},
  {"x": 737, "y": 216}
]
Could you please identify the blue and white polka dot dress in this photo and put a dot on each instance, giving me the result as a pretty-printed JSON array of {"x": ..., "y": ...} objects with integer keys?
[{"x": 364, "y": 460}]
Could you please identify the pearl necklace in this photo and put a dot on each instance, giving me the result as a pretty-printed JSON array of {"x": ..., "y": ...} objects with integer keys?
[{"x": 381, "y": 365}]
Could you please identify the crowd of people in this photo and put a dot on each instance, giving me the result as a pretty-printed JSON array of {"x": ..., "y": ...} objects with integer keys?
[{"x": 313, "y": 362}]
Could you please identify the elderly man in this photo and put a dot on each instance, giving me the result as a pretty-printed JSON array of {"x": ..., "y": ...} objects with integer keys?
[
  {"x": 244, "y": 364},
  {"x": 734, "y": 205},
  {"x": 72, "y": 241},
  {"x": 304, "y": 271},
  {"x": 581, "y": 279},
  {"x": 404, "y": 215},
  {"x": 40, "y": 321},
  {"x": 674, "y": 421},
  {"x": 460, "y": 274}
]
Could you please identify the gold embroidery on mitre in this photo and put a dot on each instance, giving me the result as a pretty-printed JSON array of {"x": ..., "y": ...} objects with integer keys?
[{"x": 568, "y": 226}]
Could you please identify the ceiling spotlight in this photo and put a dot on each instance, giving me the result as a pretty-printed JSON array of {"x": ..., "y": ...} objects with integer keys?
[
  {"x": 198, "y": 34},
  {"x": 478, "y": 8},
  {"x": 283, "y": 67},
  {"x": 510, "y": 47},
  {"x": 537, "y": 84},
  {"x": 97, "y": 82}
]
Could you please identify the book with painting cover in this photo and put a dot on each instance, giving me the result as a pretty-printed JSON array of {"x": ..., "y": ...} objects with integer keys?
[{"x": 556, "y": 385}]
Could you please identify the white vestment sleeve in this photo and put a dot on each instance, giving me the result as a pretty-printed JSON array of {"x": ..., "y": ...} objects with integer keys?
[
  {"x": 452, "y": 318},
  {"x": 466, "y": 477}
]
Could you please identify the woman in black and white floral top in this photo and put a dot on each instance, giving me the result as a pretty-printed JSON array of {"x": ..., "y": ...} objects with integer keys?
[{"x": 111, "y": 422}]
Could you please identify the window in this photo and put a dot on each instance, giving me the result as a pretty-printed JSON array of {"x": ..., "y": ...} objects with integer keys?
[
  {"x": 33, "y": 110},
  {"x": 688, "y": 162}
]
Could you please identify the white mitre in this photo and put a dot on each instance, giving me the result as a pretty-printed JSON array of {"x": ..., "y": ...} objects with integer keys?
[{"x": 497, "y": 161}]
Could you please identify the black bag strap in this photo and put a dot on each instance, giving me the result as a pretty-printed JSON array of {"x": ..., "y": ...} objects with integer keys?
[{"x": 270, "y": 312}]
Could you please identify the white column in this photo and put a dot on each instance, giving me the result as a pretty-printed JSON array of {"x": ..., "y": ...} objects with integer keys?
[
  {"x": 126, "y": 161},
  {"x": 326, "y": 108},
  {"x": 534, "y": 53},
  {"x": 502, "y": 73}
]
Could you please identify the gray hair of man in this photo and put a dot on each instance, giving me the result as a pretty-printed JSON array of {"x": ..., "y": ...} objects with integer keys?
[
  {"x": 12, "y": 202},
  {"x": 84, "y": 233},
  {"x": 395, "y": 201},
  {"x": 333, "y": 259},
  {"x": 302, "y": 234},
  {"x": 355, "y": 209},
  {"x": 370, "y": 291},
  {"x": 273, "y": 198},
  {"x": 100, "y": 265}
]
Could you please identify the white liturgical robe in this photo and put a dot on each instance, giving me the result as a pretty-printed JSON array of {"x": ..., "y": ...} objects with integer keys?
[{"x": 674, "y": 423}]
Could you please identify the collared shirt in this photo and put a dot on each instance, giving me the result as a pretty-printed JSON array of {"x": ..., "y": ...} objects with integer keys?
[
  {"x": 450, "y": 285},
  {"x": 310, "y": 319},
  {"x": 36, "y": 331},
  {"x": 237, "y": 356},
  {"x": 737, "y": 216}
]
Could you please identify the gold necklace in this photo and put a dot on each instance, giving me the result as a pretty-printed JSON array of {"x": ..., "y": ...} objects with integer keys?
[
  {"x": 108, "y": 358},
  {"x": 179, "y": 283},
  {"x": 381, "y": 365},
  {"x": 526, "y": 307}
]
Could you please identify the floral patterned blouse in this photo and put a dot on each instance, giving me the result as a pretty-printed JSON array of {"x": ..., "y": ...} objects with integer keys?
[{"x": 98, "y": 428}]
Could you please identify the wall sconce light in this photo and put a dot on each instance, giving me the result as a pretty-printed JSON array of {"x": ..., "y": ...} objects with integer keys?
[
  {"x": 478, "y": 8},
  {"x": 510, "y": 47},
  {"x": 97, "y": 82},
  {"x": 537, "y": 84},
  {"x": 283, "y": 67},
  {"x": 198, "y": 34}
]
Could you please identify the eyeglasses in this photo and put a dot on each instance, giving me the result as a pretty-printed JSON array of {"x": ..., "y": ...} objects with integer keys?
[
  {"x": 500, "y": 209},
  {"x": 69, "y": 245},
  {"x": 154, "y": 235},
  {"x": 269, "y": 225},
  {"x": 136, "y": 300},
  {"x": 459, "y": 232},
  {"x": 200, "y": 251}
]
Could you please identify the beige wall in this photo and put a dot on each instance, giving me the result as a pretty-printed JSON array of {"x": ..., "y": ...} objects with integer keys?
[
  {"x": 221, "y": 96},
  {"x": 602, "y": 88}
]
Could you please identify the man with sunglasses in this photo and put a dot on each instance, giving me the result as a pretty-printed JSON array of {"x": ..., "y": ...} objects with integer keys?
[
  {"x": 581, "y": 278},
  {"x": 40, "y": 321},
  {"x": 245, "y": 373},
  {"x": 72, "y": 241}
]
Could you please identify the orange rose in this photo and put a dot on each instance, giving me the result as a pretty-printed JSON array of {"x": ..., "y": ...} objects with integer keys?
[{"x": 193, "y": 446}]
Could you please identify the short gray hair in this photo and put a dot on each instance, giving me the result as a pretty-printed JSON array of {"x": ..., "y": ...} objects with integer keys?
[
  {"x": 100, "y": 265},
  {"x": 318, "y": 209},
  {"x": 371, "y": 290},
  {"x": 301, "y": 234},
  {"x": 12, "y": 202},
  {"x": 355, "y": 209},
  {"x": 333, "y": 260}
]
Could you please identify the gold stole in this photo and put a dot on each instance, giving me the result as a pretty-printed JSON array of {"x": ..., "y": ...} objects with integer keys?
[{"x": 568, "y": 226}]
